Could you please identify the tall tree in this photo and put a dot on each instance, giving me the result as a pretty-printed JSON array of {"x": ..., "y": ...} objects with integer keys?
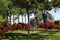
[
  {"x": 37, "y": 5},
  {"x": 3, "y": 8}
]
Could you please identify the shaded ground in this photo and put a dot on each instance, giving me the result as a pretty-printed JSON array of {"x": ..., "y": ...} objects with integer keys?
[{"x": 35, "y": 35}]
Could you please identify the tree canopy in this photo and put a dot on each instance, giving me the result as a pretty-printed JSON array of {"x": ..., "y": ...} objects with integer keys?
[{"x": 34, "y": 5}]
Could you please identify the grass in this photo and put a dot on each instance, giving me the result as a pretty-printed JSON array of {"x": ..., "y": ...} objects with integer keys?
[
  {"x": 42, "y": 36},
  {"x": 35, "y": 35}
]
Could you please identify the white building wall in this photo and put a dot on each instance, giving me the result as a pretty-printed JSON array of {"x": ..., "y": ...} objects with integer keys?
[
  {"x": 12, "y": 19},
  {"x": 20, "y": 18}
]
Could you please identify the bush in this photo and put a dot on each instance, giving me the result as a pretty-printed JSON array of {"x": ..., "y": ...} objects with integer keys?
[
  {"x": 50, "y": 25},
  {"x": 57, "y": 22}
]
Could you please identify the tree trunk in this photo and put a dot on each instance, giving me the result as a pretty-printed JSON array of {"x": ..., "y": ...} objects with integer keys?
[
  {"x": 44, "y": 17},
  {"x": 28, "y": 25},
  {"x": 28, "y": 20}
]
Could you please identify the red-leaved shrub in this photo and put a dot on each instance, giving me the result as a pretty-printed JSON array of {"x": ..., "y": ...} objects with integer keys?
[
  {"x": 1, "y": 28},
  {"x": 49, "y": 25},
  {"x": 25, "y": 25}
]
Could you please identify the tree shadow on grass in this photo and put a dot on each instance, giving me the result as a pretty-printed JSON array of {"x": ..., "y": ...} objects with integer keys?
[
  {"x": 33, "y": 36},
  {"x": 23, "y": 35},
  {"x": 53, "y": 32}
]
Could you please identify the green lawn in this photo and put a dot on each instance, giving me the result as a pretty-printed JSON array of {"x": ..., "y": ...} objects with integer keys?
[
  {"x": 41, "y": 37},
  {"x": 35, "y": 35},
  {"x": 53, "y": 35}
]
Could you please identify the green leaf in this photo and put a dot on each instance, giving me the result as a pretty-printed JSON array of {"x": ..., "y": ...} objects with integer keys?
[
  {"x": 15, "y": 10},
  {"x": 1, "y": 18},
  {"x": 23, "y": 10}
]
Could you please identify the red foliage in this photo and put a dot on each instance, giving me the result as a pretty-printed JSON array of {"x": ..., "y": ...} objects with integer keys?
[
  {"x": 25, "y": 25},
  {"x": 16, "y": 27},
  {"x": 10, "y": 27},
  {"x": 48, "y": 25},
  {"x": 58, "y": 26},
  {"x": 42, "y": 25},
  {"x": 1, "y": 28},
  {"x": 45, "y": 25}
]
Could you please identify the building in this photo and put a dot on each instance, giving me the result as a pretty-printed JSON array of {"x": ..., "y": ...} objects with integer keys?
[
  {"x": 22, "y": 19},
  {"x": 49, "y": 17}
]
